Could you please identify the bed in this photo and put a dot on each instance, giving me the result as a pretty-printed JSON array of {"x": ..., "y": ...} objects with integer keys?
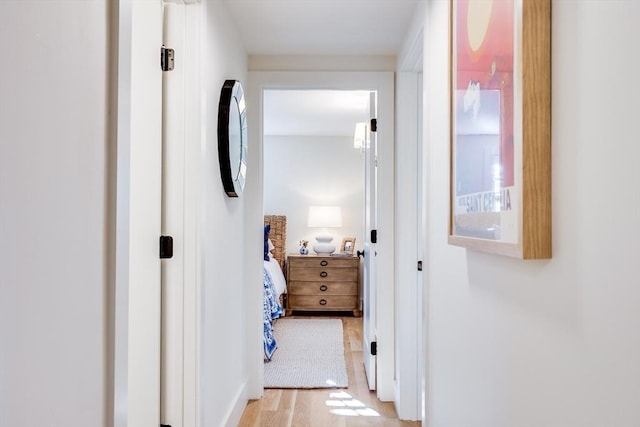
[{"x": 274, "y": 283}]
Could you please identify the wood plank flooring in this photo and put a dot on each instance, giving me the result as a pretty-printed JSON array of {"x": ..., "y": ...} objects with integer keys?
[{"x": 350, "y": 407}]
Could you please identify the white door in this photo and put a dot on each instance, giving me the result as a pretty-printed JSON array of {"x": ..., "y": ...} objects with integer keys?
[
  {"x": 138, "y": 204},
  {"x": 369, "y": 277},
  {"x": 180, "y": 178},
  {"x": 173, "y": 159},
  {"x": 155, "y": 365}
]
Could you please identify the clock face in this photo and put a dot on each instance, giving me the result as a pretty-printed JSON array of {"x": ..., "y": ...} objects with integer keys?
[{"x": 232, "y": 138}]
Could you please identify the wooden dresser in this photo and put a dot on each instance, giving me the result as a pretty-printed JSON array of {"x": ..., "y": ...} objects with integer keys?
[{"x": 322, "y": 283}]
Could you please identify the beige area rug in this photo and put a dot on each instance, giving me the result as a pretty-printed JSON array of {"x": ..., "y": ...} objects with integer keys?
[{"x": 310, "y": 354}]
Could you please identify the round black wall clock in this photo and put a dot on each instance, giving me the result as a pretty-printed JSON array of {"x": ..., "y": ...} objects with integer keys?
[{"x": 232, "y": 137}]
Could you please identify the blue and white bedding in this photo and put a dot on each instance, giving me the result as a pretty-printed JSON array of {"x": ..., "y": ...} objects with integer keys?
[
  {"x": 279, "y": 282},
  {"x": 274, "y": 285}
]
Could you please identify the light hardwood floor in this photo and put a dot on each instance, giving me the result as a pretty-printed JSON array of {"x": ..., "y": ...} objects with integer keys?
[{"x": 353, "y": 406}]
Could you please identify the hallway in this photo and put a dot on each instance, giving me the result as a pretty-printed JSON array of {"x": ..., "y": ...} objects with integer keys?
[{"x": 354, "y": 406}]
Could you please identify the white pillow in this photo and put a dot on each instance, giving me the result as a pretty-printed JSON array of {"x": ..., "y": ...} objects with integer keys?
[
  {"x": 270, "y": 243},
  {"x": 279, "y": 282}
]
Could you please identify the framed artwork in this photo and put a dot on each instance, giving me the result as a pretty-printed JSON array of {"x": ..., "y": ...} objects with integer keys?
[
  {"x": 347, "y": 246},
  {"x": 500, "y": 184}
]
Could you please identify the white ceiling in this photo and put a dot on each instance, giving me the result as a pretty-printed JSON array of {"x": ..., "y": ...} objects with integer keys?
[
  {"x": 322, "y": 27},
  {"x": 319, "y": 27}
]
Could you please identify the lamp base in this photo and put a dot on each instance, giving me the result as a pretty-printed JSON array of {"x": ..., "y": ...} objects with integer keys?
[{"x": 324, "y": 247}]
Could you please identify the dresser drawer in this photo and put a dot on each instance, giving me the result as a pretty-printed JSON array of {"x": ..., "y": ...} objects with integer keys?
[
  {"x": 323, "y": 262},
  {"x": 322, "y": 274},
  {"x": 323, "y": 302},
  {"x": 321, "y": 288}
]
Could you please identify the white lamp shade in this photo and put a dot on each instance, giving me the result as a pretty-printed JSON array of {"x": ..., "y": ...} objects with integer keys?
[{"x": 325, "y": 216}]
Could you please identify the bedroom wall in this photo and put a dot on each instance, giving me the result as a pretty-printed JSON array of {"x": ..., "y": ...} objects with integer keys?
[
  {"x": 53, "y": 215},
  {"x": 291, "y": 184},
  {"x": 554, "y": 342},
  {"x": 222, "y": 260}
]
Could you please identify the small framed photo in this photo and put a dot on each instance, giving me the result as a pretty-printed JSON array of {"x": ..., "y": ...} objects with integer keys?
[{"x": 348, "y": 244}]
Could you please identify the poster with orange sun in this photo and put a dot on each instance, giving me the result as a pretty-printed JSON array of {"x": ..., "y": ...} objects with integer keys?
[
  {"x": 484, "y": 194},
  {"x": 500, "y": 187}
]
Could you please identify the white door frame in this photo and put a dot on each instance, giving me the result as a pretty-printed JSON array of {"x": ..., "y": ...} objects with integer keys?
[
  {"x": 407, "y": 392},
  {"x": 409, "y": 308},
  {"x": 192, "y": 316},
  {"x": 383, "y": 83}
]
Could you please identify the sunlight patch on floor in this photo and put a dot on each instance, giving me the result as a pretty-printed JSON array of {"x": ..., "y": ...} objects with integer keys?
[{"x": 344, "y": 404}]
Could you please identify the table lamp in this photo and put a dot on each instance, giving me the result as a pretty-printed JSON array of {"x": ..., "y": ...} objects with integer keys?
[{"x": 324, "y": 217}]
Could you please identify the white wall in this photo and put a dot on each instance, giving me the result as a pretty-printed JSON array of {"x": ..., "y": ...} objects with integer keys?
[
  {"x": 322, "y": 63},
  {"x": 224, "y": 373},
  {"x": 53, "y": 215},
  {"x": 555, "y": 342},
  {"x": 293, "y": 182}
]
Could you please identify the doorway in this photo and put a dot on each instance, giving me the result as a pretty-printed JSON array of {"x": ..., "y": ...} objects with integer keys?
[
  {"x": 382, "y": 83},
  {"x": 314, "y": 158}
]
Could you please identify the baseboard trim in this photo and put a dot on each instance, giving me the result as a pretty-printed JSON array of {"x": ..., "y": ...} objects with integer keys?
[{"x": 232, "y": 418}]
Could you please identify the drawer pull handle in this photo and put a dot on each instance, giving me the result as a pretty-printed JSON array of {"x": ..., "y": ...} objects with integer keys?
[
  {"x": 323, "y": 302},
  {"x": 324, "y": 263},
  {"x": 323, "y": 274},
  {"x": 323, "y": 288}
]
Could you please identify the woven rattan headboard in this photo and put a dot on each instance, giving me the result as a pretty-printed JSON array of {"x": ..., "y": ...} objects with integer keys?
[{"x": 278, "y": 236}]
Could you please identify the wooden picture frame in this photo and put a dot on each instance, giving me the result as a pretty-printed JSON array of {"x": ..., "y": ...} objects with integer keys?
[
  {"x": 348, "y": 245},
  {"x": 500, "y": 93}
]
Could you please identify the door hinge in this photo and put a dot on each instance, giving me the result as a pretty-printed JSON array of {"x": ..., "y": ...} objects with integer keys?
[
  {"x": 374, "y": 125},
  {"x": 374, "y": 348},
  {"x": 166, "y": 58},
  {"x": 419, "y": 265},
  {"x": 166, "y": 247},
  {"x": 374, "y": 236}
]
